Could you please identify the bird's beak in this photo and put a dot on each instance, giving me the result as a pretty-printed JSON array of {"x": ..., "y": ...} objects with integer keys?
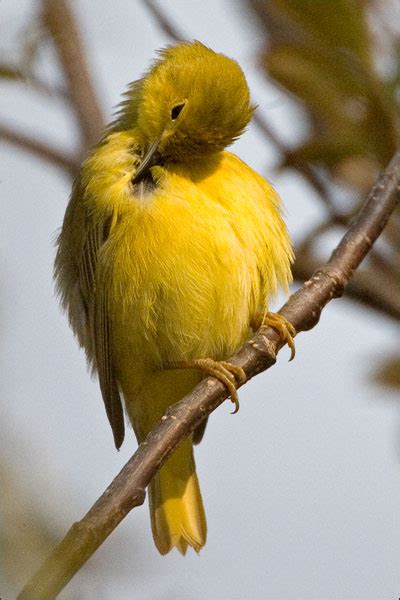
[{"x": 150, "y": 159}]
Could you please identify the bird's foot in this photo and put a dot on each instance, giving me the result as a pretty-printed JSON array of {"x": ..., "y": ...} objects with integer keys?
[
  {"x": 230, "y": 375},
  {"x": 281, "y": 325}
]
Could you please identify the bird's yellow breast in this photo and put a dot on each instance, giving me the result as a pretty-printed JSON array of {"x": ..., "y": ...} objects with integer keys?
[{"x": 188, "y": 263}]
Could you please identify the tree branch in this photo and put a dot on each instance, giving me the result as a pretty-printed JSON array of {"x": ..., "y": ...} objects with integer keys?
[
  {"x": 60, "y": 22},
  {"x": 303, "y": 309},
  {"x": 40, "y": 149}
]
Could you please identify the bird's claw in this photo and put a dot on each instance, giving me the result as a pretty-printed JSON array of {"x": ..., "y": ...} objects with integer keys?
[
  {"x": 283, "y": 327},
  {"x": 230, "y": 375}
]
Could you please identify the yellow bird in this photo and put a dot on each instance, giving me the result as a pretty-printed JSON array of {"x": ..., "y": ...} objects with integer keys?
[{"x": 170, "y": 250}]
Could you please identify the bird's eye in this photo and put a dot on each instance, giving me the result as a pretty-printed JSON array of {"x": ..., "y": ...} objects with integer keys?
[{"x": 176, "y": 110}]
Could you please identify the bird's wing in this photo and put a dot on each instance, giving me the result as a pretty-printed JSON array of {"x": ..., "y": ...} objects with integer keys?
[{"x": 95, "y": 299}]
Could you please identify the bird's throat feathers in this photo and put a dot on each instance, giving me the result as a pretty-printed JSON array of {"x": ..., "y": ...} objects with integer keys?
[{"x": 108, "y": 174}]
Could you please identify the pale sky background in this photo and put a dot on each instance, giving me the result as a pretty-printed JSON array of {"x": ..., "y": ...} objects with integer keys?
[{"x": 302, "y": 487}]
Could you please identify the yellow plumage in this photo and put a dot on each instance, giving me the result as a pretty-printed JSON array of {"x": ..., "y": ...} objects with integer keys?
[{"x": 170, "y": 248}]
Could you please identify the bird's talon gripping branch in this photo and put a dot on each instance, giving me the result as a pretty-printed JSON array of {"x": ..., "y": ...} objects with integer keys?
[
  {"x": 237, "y": 372},
  {"x": 285, "y": 329},
  {"x": 230, "y": 375},
  {"x": 282, "y": 326}
]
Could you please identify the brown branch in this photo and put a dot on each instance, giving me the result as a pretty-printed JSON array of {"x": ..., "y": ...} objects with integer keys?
[
  {"x": 40, "y": 149},
  {"x": 303, "y": 309},
  {"x": 60, "y": 23}
]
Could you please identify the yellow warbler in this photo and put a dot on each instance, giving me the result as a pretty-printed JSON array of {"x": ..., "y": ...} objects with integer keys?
[{"x": 170, "y": 249}]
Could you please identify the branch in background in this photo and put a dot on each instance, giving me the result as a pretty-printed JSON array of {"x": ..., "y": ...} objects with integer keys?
[
  {"x": 163, "y": 21},
  {"x": 384, "y": 297},
  {"x": 303, "y": 310},
  {"x": 60, "y": 23},
  {"x": 306, "y": 169},
  {"x": 40, "y": 149},
  {"x": 381, "y": 296},
  {"x": 29, "y": 78},
  {"x": 80, "y": 94}
]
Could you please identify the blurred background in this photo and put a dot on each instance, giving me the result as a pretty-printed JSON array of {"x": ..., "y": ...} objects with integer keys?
[{"x": 302, "y": 487}]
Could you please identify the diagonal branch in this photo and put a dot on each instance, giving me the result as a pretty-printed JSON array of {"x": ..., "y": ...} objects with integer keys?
[
  {"x": 40, "y": 149},
  {"x": 303, "y": 309}
]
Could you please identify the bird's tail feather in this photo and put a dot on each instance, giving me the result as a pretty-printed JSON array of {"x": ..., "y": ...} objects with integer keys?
[{"x": 176, "y": 508}]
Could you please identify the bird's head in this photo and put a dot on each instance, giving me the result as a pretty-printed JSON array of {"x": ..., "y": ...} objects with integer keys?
[{"x": 192, "y": 103}]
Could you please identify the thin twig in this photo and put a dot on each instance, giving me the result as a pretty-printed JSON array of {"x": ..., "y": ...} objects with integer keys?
[
  {"x": 17, "y": 74},
  {"x": 303, "y": 309},
  {"x": 164, "y": 22},
  {"x": 40, "y": 149},
  {"x": 290, "y": 158}
]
